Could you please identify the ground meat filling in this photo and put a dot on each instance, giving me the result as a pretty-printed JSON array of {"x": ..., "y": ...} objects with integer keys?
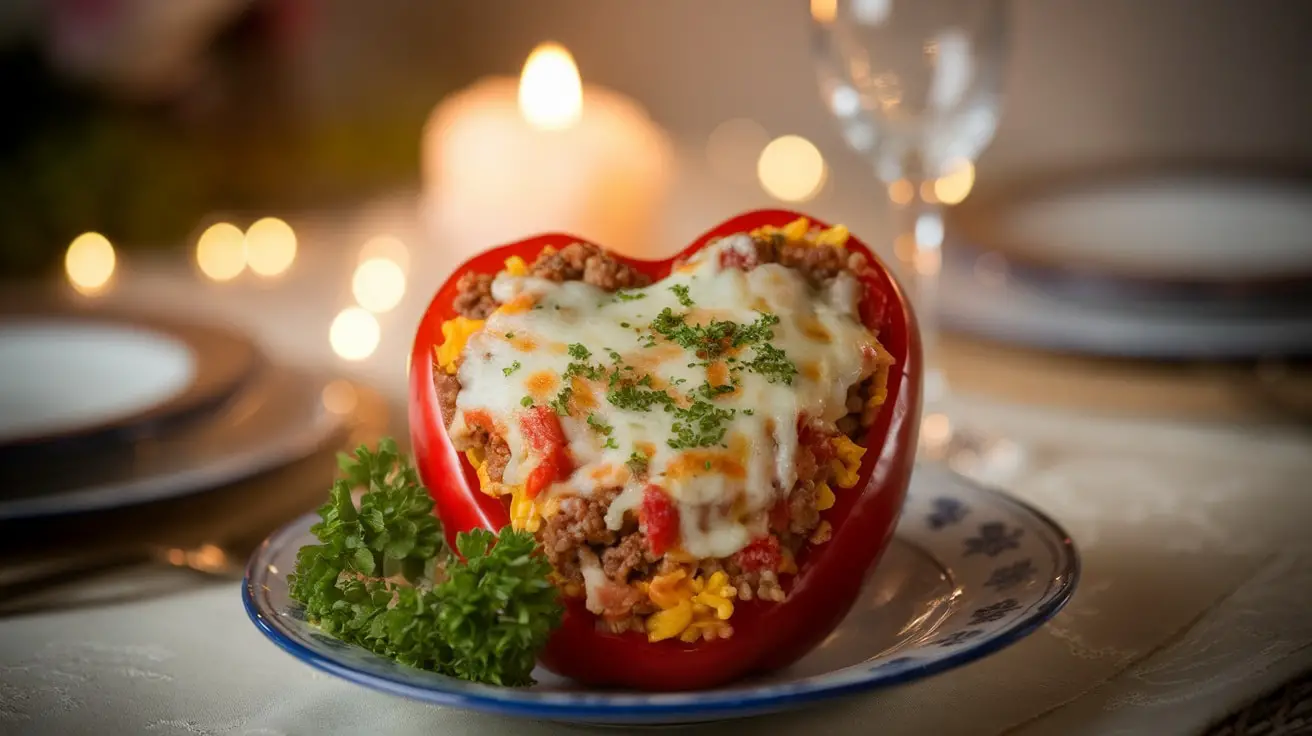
[
  {"x": 474, "y": 296},
  {"x": 589, "y": 264},
  {"x": 578, "y": 531}
]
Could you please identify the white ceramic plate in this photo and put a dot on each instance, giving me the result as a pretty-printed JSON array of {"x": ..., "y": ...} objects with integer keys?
[
  {"x": 1172, "y": 226},
  {"x": 978, "y": 296},
  {"x": 970, "y": 571},
  {"x": 60, "y": 376},
  {"x": 279, "y": 419}
]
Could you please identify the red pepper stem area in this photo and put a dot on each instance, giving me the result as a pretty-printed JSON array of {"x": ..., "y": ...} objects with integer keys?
[{"x": 766, "y": 635}]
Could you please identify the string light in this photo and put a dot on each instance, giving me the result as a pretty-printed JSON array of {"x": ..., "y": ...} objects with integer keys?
[
  {"x": 270, "y": 246},
  {"x": 89, "y": 263},
  {"x": 221, "y": 251}
]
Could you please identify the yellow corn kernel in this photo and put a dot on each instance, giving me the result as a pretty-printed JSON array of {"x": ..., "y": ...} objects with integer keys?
[
  {"x": 455, "y": 333},
  {"x": 841, "y": 476},
  {"x": 847, "y": 465},
  {"x": 796, "y": 230},
  {"x": 823, "y": 532},
  {"x": 667, "y": 591},
  {"x": 836, "y": 236},
  {"x": 515, "y": 266},
  {"x": 824, "y": 497},
  {"x": 723, "y": 607},
  {"x": 523, "y": 511},
  {"x": 669, "y": 623}
]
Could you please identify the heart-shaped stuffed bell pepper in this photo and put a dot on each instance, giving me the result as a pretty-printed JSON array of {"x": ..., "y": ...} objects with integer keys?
[{"x": 712, "y": 450}]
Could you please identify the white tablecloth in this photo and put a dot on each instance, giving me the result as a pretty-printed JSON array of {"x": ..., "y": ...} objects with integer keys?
[{"x": 1194, "y": 599}]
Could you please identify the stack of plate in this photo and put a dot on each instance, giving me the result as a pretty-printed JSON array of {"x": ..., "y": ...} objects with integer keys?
[
  {"x": 105, "y": 411},
  {"x": 1163, "y": 265}
]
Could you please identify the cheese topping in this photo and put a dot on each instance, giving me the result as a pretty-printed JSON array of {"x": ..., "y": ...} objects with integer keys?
[{"x": 695, "y": 384}]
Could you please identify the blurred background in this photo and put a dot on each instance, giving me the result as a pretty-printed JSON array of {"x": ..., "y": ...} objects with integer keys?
[
  {"x": 1106, "y": 206},
  {"x": 140, "y": 119}
]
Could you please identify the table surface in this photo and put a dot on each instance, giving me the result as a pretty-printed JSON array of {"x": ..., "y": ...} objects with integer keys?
[{"x": 1190, "y": 514}]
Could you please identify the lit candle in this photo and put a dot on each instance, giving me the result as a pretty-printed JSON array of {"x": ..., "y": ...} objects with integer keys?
[{"x": 507, "y": 158}]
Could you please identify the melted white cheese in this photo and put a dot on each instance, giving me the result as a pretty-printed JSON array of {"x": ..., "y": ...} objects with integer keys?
[{"x": 722, "y": 506}]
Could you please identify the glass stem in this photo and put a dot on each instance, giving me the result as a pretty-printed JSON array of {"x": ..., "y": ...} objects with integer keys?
[{"x": 919, "y": 221}]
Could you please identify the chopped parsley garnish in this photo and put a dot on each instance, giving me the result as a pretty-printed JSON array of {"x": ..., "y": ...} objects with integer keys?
[
  {"x": 512, "y": 368},
  {"x": 748, "y": 412},
  {"x": 707, "y": 465},
  {"x": 710, "y": 393},
  {"x": 624, "y": 324},
  {"x": 629, "y": 296},
  {"x": 598, "y": 424},
  {"x": 611, "y": 444},
  {"x": 510, "y": 335},
  {"x": 637, "y": 462},
  {"x": 526, "y": 401},
  {"x": 699, "y": 425},
  {"x": 561, "y": 403},
  {"x": 757, "y": 332},
  {"x": 681, "y": 292},
  {"x": 578, "y": 351},
  {"x": 772, "y": 363},
  {"x": 635, "y": 398}
]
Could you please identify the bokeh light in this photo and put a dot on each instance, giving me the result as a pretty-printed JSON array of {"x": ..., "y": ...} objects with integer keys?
[
  {"x": 791, "y": 168},
  {"x": 824, "y": 11},
  {"x": 378, "y": 284},
  {"x": 386, "y": 246},
  {"x": 733, "y": 148},
  {"x": 354, "y": 334},
  {"x": 339, "y": 397},
  {"x": 89, "y": 263},
  {"x": 954, "y": 186},
  {"x": 270, "y": 246},
  {"x": 221, "y": 251},
  {"x": 901, "y": 192},
  {"x": 550, "y": 90}
]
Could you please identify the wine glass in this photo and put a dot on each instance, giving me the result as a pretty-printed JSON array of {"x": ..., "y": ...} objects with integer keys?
[{"x": 917, "y": 87}]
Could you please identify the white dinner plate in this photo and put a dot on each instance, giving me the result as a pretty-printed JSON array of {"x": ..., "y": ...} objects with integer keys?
[
  {"x": 980, "y": 295},
  {"x": 57, "y": 376},
  {"x": 1183, "y": 226},
  {"x": 969, "y": 571},
  {"x": 71, "y": 380},
  {"x": 280, "y": 418}
]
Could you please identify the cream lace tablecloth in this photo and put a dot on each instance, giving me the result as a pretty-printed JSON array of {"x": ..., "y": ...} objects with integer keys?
[{"x": 1195, "y": 596}]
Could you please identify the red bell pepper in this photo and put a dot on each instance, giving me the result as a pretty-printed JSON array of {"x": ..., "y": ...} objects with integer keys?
[{"x": 767, "y": 635}]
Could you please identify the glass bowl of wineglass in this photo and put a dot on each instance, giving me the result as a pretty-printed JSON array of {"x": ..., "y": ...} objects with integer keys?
[{"x": 917, "y": 88}]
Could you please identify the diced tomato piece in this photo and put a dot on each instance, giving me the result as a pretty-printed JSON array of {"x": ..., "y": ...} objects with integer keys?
[
  {"x": 479, "y": 419},
  {"x": 659, "y": 519},
  {"x": 733, "y": 258},
  {"x": 815, "y": 440},
  {"x": 546, "y": 440},
  {"x": 763, "y": 554}
]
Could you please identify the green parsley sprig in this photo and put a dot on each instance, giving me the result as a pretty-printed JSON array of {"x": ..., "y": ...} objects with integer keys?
[{"x": 382, "y": 577}]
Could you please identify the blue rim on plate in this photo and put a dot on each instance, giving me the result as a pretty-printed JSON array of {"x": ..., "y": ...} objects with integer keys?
[{"x": 991, "y": 570}]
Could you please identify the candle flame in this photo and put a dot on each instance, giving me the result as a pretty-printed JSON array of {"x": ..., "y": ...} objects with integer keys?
[{"x": 550, "y": 90}]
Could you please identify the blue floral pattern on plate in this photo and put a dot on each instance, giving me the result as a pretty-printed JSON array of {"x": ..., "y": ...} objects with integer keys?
[{"x": 946, "y": 593}]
